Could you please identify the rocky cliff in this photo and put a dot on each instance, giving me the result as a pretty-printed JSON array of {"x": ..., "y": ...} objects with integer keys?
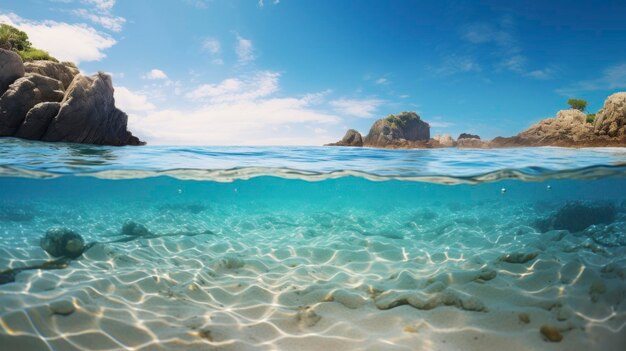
[
  {"x": 570, "y": 128},
  {"x": 50, "y": 101}
]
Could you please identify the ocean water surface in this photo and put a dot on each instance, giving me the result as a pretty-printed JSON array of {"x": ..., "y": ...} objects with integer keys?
[{"x": 310, "y": 248}]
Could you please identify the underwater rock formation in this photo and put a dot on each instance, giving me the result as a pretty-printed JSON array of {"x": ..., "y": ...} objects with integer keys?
[
  {"x": 63, "y": 242},
  {"x": 133, "y": 228},
  {"x": 576, "y": 216},
  {"x": 85, "y": 113}
]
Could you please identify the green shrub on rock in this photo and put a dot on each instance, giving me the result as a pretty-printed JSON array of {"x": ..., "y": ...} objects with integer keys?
[{"x": 577, "y": 104}]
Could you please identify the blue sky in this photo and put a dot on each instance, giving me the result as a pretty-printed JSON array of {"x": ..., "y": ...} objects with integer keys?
[{"x": 302, "y": 72}]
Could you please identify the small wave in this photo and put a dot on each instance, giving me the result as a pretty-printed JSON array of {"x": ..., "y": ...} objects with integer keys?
[{"x": 531, "y": 174}]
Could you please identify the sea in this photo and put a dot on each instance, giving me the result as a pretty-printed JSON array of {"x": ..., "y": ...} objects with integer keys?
[{"x": 313, "y": 248}]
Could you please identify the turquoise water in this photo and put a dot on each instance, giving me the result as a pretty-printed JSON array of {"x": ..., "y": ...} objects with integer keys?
[{"x": 311, "y": 248}]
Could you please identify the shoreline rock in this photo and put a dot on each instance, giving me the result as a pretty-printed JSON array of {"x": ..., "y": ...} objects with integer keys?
[
  {"x": 569, "y": 128},
  {"x": 50, "y": 101}
]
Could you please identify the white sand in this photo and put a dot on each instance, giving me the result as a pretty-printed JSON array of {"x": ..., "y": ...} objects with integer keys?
[{"x": 285, "y": 281}]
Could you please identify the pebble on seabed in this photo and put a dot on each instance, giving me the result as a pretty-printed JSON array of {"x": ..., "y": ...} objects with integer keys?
[
  {"x": 551, "y": 333},
  {"x": 503, "y": 190}
]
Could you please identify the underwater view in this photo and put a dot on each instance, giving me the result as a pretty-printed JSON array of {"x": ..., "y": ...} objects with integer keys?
[{"x": 272, "y": 248}]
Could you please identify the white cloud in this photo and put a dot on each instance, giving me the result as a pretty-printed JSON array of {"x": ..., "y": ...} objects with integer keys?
[
  {"x": 275, "y": 2},
  {"x": 382, "y": 81},
  {"x": 438, "y": 124},
  {"x": 613, "y": 77},
  {"x": 244, "y": 50},
  {"x": 274, "y": 121},
  {"x": 453, "y": 64},
  {"x": 212, "y": 45},
  {"x": 110, "y": 22},
  {"x": 541, "y": 74},
  {"x": 130, "y": 102},
  {"x": 66, "y": 42},
  {"x": 155, "y": 74},
  {"x": 261, "y": 84},
  {"x": 103, "y": 5},
  {"x": 357, "y": 108}
]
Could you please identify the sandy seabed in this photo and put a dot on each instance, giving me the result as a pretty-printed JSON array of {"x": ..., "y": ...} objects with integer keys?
[{"x": 445, "y": 277}]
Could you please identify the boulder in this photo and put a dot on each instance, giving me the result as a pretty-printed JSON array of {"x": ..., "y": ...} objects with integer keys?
[
  {"x": 444, "y": 140},
  {"x": 398, "y": 130},
  {"x": 611, "y": 119},
  {"x": 468, "y": 136},
  {"x": 60, "y": 71},
  {"x": 576, "y": 216},
  {"x": 88, "y": 115},
  {"x": 23, "y": 95},
  {"x": 352, "y": 138},
  {"x": 11, "y": 69},
  {"x": 37, "y": 120},
  {"x": 63, "y": 242},
  {"x": 133, "y": 228}
]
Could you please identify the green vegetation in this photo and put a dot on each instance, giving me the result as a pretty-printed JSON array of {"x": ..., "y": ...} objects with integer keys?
[
  {"x": 591, "y": 117},
  {"x": 400, "y": 120},
  {"x": 14, "y": 39},
  {"x": 578, "y": 104}
]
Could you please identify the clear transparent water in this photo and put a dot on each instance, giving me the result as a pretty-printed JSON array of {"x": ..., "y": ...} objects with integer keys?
[{"x": 391, "y": 249}]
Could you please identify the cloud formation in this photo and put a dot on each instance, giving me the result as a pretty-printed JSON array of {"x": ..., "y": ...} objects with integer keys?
[
  {"x": 67, "y": 42},
  {"x": 155, "y": 74},
  {"x": 244, "y": 50},
  {"x": 613, "y": 77},
  {"x": 356, "y": 108}
]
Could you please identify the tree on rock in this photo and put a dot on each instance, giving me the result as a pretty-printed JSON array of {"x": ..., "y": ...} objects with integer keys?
[
  {"x": 577, "y": 104},
  {"x": 14, "y": 39}
]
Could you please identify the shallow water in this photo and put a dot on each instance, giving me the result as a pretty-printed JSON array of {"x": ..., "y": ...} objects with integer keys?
[{"x": 312, "y": 248}]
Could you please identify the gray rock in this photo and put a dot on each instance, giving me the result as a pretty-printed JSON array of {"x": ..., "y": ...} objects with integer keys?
[
  {"x": 62, "y": 307},
  {"x": 576, "y": 216},
  {"x": 88, "y": 115},
  {"x": 611, "y": 119},
  {"x": 59, "y": 71},
  {"x": 352, "y": 138},
  {"x": 63, "y": 242},
  {"x": 37, "y": 120},
  {"x": 11, "y": 69},
  {"x": 471, "y": 143},
  {"x": 23, "y": 95},
  {"x": 399, "y": 129},
  {"x": 133, "y": 228}
]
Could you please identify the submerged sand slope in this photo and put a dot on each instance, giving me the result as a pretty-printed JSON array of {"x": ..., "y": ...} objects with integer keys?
[{"x": 444, "y": 277}]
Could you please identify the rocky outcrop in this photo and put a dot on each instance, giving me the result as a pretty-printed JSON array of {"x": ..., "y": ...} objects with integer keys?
[
  {"x": 611, "y": 119},
  {"x": 88, "y": 115},
  {"x": 37, "y": 120},
  {"x": 352, "y": 138},
  {"x": 468, "y": 136},
  {"x": 37, "y": 106},
  {"x": 402, "y": 130},
  {"x": 569, "y": 128},
  {"x": 11, "y": 69},
  {"x": 23, "y": 95},
  {"x": 60, "y": 71},
  {"x": 444, "y": 140},
  {"x": 470, "y": 141}
]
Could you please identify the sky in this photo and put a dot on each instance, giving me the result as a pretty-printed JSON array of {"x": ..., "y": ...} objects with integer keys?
[{"x": 287, "y": 72}]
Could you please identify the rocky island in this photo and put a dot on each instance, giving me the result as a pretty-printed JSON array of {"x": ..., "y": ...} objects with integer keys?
[
  {"x": 570, "y": 128},
  {"x": 51, "y": 101}
]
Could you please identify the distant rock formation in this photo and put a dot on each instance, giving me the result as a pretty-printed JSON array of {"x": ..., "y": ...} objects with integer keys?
[
  {"x": 470, "y": 141},
  {"x": 51, "y": 101},
  {"x": 468, "y": 136},
  {"x": 444, "y": 140},
  {"x": 399, "y": 130},
  {"x": 570, "y": 128},
  {"x": 611, "y": 119},
  {"x": 352, "y": 138}
]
